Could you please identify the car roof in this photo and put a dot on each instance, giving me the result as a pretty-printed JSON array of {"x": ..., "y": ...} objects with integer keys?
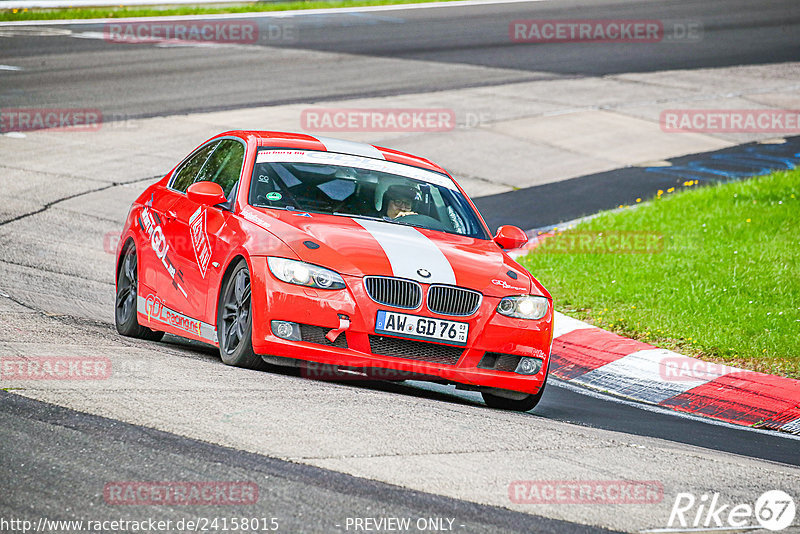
[{"x": 304, "y": 141}]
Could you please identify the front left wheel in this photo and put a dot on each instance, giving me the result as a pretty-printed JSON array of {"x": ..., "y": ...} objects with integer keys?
[
  {"x": 126, "y": 301},
  {"x": 234, "y": 320},
  {"x": 521, "y": 404}
]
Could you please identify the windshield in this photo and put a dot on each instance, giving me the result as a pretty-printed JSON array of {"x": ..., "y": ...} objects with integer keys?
[{"x": 355, "y": 186}]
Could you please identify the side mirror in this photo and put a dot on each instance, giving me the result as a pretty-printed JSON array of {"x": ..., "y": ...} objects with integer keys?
[
  {"x": 509, "y": 237},
  {"x": 207, "y": 193}
]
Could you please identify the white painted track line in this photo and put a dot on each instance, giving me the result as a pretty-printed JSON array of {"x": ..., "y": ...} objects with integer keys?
[{"x": 265, "y": 14}]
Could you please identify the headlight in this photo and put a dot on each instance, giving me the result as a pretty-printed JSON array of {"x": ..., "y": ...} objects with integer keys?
[
  {"x": 523, "y": 306},
  {"x": 304, "y": 274}
]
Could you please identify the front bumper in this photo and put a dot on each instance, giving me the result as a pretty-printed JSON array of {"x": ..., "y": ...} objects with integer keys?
[{"x": 361, "y": 348}]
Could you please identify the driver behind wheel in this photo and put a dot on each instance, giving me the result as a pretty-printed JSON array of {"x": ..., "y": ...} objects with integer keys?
[{"x": 398, "y": 201}]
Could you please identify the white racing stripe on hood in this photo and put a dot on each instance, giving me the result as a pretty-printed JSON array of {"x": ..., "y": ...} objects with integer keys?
[
  {"x": 409, "y": 250},
  {"x": 349, "y": 147}
]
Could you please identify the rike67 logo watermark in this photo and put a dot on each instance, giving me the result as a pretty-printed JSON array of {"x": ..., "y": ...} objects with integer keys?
[{"x": 773, "y": 510}]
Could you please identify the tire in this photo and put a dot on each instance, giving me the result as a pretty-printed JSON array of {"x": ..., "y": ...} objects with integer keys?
[
  {"x": 524, "y": 404},
  {"x": 126, "y": 299},
  {"x": 516, "y": 405},
  {"x": 235, "y": 321}
]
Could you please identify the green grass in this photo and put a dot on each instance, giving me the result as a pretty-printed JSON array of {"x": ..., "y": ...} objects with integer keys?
[
  {"x": 725, "y": 287},
  {"x": 149, "y": 11}
]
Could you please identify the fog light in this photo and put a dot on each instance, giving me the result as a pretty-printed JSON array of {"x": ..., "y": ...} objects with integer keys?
[
  {"x": 286, "y": 330},
  {"x": 528, "y": 366}
]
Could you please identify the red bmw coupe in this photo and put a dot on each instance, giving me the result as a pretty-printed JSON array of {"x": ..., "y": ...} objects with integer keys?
[{"x": 289, "y": 249}]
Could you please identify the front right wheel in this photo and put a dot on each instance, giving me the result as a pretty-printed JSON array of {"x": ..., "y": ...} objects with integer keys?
[
  {"x": 234, "y": 320},
  {"x": 512, "y": 402}
]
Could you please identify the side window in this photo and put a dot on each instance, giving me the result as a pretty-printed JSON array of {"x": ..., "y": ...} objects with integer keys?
[
  {"x": 186, "y": 174},
  {"x": 224, "y": 166}
]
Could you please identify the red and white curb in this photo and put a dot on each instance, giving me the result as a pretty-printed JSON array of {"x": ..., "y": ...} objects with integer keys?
[{"x": 591, "y": 357}]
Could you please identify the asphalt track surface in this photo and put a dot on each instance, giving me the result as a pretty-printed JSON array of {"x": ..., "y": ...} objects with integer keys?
[
  {"x": 327, "y": 57},
  {"x": 458, "y": 47},
  {"x": 291, "y": 493}
]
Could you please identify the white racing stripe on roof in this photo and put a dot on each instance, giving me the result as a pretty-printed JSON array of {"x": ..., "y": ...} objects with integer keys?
[
  {"x": 349, "y": 147},
  {"x": 409, "y": 250}
]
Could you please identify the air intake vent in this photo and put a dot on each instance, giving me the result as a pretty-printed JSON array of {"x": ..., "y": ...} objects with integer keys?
[
  {"x": 415, "y": 350},
  {"x": 395, "y": 292},
  {"x": 499, "y": 362},
  {"x": 316, "y": 334},
  {"x": 449, "y": 300}
]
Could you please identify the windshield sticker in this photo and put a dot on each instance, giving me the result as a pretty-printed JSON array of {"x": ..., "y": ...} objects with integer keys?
[
  {"x": 274, "y": 196},
  {"x": 348, "y": 160}
]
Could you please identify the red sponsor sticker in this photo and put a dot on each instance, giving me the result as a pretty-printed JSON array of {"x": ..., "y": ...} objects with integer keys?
[
  {"x": 779, "y": 121},
  {"x": 198, "y": 31},
  {"x": 53, "y": 119},
  {"x": 378, "y": 120},
  {"x": 155, "y": 309},
  {"x": 593, "y": 30},
  {"x": 586, "y": 492},
  {"x": 172, "y": 493},
  {"x": 55, "y": 368},
  {"x": 200, "y": 243}
]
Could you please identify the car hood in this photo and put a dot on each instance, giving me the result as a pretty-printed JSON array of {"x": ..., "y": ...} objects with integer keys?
[{"x": 361, "y": 247}]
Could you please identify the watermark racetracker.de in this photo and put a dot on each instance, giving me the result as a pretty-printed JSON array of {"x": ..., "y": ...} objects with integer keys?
[
  {"x": 74, "y": 368},
  {"x": 53, "y": 119},
  {"x": 54, "y": 368},
  {"x": 598, "y": 242},
  {"x": 180, "y": 493},
  {"x": 585, "y": 492},
  {"x": 193, "y": 32},
  {"x": 604, "y": 31},
  {"x": 778, "y": 121},
  {"x": 378, "y": 119},
  {"x": 683, "y": 369},
  {"x": 63, "y": 120}
]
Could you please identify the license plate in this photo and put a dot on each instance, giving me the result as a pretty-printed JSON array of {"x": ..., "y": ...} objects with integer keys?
[{"x": 416, "y": 327}]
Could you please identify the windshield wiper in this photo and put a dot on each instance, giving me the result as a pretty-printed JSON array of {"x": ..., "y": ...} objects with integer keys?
[
  {"x": 357, "y": 216},
  {"x": 405, "y": 223}
]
